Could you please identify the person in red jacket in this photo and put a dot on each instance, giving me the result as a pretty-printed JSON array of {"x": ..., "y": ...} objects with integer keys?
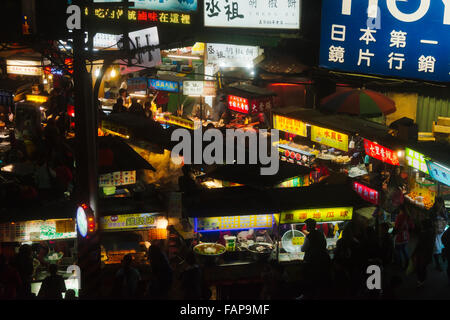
[{"x": 402, "y": 228}]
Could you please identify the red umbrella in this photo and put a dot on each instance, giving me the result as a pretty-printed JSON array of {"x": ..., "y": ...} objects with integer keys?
[{"x": 359, "y": 102}]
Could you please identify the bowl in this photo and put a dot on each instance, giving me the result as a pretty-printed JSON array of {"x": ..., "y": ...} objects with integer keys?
[
  {"x": 261, "y": 251},
  {"x": 208, "y": 252}
]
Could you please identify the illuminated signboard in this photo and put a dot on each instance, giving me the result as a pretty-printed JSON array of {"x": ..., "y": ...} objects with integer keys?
[
  {"x": 137, "y": 84},
  {"x": 270, "y": 14},
  {"x": 161, "y": 5},
  {"x": 163, "y": 85},
  {"x": 379, "y": 152},
  {"x": 438, "y": 172},
  {"x": 238, "y": 104},
  {"x": 108, "y": 14},
  {"x": 193, "y": 88},
  {"x": 105, "y": 40},
  {"x": 181, "y": 122},
  {"x": 289, "y": 125},
  {"x": 36, "y": 98},
  {"x": 368, "y": 194},
  {"x": 38, "y": 230},
  {"x": 115, "y": 179},
  {"x": 320, "y": 215},
  {"x": 231, "y": 56},
  {"x": 329, "y": 138},
  {"x": 26, "y": 68},
  {"x": 416, "y": 160},
  {"x": 128, "y": 221},
  {"x": 233, "y": 223},
  {"x": 297, "y": 156},
  {"x": 400, "y": 38}
]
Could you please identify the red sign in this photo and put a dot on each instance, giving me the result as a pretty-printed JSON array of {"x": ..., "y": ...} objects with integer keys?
[
  {"x": 238, "y": 104},
  {"x": 379, "y": 152},
  {"x": 259, "y": 105},
  {"x": 370, "y": 195}
]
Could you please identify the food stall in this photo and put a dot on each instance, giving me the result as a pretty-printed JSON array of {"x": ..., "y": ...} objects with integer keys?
[
  {"x": 250, "y": 106},
  {"x": 53, "y": 241}
]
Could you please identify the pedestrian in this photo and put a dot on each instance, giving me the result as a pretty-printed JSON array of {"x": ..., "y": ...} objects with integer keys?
[
  {"x": 119, "y": 107},
  {"x": 446, "y": 250},
  {"x": 10, "y": 281},
  {"x": 127, "y": 279},
  {"x": 23, "y": 263},
  {"x": 70, "y": 295},
  {"x": 403, "y": 225},
  {"x": 423, "y": 252},
  {"x": 136, "y": 108},
  {"x": 317, "y": 262},
  {"x": 162, "y": 273},
  {"x": 386, "y": 245},
  {"x": 148, "y": 110},
  {"x": 53, "y": 286},
  {"x": 440, "y": 224}
]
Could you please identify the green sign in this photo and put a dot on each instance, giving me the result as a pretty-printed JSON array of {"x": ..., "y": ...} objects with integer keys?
[{"x": 416, "y": 160}]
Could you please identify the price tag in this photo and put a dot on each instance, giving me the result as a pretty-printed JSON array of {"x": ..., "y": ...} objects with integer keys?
[{"x": 298, "y": 241}]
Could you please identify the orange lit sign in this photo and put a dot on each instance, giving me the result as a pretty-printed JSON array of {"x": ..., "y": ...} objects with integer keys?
[
  {"x": 289, "y": 125},
  {"x": 320, "y": 215},
  {"x": 38, "y": 99},
  {"x": 329, "y": 138}
]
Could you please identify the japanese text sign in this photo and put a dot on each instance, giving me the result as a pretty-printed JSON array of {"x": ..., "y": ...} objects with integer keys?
[
  {"x": 416, "y": 160},
  {"x": 320, "y": 215},
  {"x": 128, "y": 221},
  {"x": 379, "y": 152},
  {"x": 231, "y": 56},
  {"x": 238, "y": 104},
  {"x": 161, "y": 5},
  {"x": 439, "y": 173},
  {"x": 268, "y": 14},
  {"x": 109, "y": 14},
  {"x": 368, "y": 194},
  {"x": 163, "y": 85},
  {"x": 406, "y": 39},
  {"x": 233, "y": 223},
  {"x": 329, "y": 138},
  {"x": 289, "y": 125}
]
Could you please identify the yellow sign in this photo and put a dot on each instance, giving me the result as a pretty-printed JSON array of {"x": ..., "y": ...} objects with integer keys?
[
  {"x": 185, "y": 123},
  {"x": 36, "y": 98},
  {"x": 198, "y": 48},
  {"x": 233, "y": 223},
  {"x": 128, "y": 221},
  {"x": 289, "y": 125},
  {"x": 320, "y": 215},
  {"x": 22, "y": 67},
  {"x": 329, "y": 138},
  {"x": 298, "y": 241}
]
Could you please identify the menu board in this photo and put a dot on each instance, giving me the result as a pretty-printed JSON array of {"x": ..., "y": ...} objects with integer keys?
[
  {"x": 233, "y": 223},
  {"x": 37, "y": 230},
  {"x": 320, "y": 215},
  {"x": 416, "y": 160},
  {"x": 329, "y": 138},
  {"x": 128, "y": 221},
  {"x": 115, "y": 179}
]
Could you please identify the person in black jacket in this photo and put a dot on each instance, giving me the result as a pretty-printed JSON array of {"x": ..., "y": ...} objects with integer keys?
[
  {"x": 118, "y": 106},
  {"x": 53, "y": 286},
  {"x": 446, "y": 251}
]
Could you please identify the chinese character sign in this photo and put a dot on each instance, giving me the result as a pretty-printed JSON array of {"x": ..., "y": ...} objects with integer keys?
[
  {"x": 329, "y": 138},
  {"x": 238, "y": 104},
  {"x": 439, "y": 173},
  {"x": 320, "y": 215},
  {"x": 233, "y": 223},
  {"x": 368, "y": 194},
  {"x": 231, "y": 56},
  {"x": 289, "y": 125},
  {"x": 22, "y": 67},
  {"x": 408, "y": 39},
  {"x": 268, "y": 14},
  {"x": 193, "y": 88},
  {"x": 416, "y": 160},
  {"x": 161, "y": 5},
  {"x": 163, "y": 85},
  {"x": 128, "y": 221},
  {"x": 137, "y": 84},
  {"x": 379, "y": 152}
]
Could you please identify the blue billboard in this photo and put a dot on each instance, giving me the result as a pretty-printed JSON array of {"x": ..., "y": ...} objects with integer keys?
[
  {"x": 164, "y": 85},
  {"x": 161, "y": 5},
  {"x": 400, "y": 38},
  {"x": 439, "y": 173}
]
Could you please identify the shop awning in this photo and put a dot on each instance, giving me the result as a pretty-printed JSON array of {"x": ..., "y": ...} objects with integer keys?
[
  {"x": 344, "y": 123},
  {"x": 248, "y": 91},
  {"x": 246, "y": 200}
]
